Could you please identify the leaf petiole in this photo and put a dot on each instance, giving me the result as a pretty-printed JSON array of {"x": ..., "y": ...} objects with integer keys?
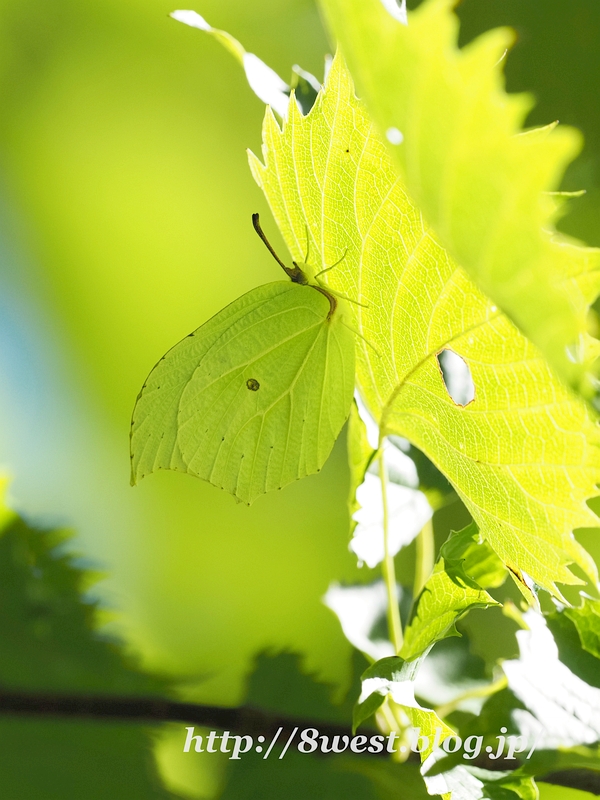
[{"x": 389, "y": 570}]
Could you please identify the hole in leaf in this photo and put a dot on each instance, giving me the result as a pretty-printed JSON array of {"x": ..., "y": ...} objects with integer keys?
[{"x": 457, "y": 377}]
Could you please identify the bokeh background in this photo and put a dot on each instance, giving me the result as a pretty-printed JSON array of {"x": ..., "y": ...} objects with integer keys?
[{"x": 125, "y": 204}]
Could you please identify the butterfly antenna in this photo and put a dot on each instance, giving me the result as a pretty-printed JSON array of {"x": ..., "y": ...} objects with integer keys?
[
  {"x": 261, "y": 233},
  {"x": 307, "y": 244},
  {"x": 356, "y": 333}
]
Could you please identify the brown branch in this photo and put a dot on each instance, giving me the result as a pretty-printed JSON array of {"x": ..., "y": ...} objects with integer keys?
[{"x": 241, "y": 720}]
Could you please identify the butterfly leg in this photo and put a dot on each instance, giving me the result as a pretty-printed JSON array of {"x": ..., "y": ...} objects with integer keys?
[{"x": 357, "y": 333}]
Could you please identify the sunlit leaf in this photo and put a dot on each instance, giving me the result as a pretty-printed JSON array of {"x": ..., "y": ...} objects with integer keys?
[
  {"x": 562, "y": 710},
  {"x": 361, "y": 611},
  {"x": 252, "y": 400},
  {"x": 408, "y": 511},
  {"x": 456, "y": 586},
  {"x": 452, "y": 131},
  {"x": 395, "y": 677},
  {"x": 586, "y": 619},
  {"x": 524, "y": 454},
  {"x": 264, "y": 82},
  {"x": 407, "y": 507}
]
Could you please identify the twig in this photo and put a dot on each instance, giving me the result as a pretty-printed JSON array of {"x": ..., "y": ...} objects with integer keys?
[{"x": 242, "y": 719}]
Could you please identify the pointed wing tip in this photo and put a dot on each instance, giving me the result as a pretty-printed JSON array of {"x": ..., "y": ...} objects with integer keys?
[{"x": 245, "y": 500}]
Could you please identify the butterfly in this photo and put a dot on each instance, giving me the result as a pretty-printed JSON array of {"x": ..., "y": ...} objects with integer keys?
[{"x": 255, "y": 397}]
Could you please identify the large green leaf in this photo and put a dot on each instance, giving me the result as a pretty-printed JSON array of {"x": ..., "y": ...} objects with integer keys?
[
  {"x": 456, "y": 586},
  {"x": 524, "y": 455},
  {"x": 453, "y": 133},
  {"x": 264, "y": 82},
  {"x": 253, "y": 399}
]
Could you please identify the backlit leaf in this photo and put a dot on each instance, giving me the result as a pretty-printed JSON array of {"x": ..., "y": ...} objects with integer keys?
[
  {"x": 524, "y": 454},
  {"x": 394, "y": 678},
  {"x": 453, "y": 590},
  {"x": 264, "y": 82},
  {"x": 453, "y": 133},
  {"x": 408, "y": 507},
  {"x": 562, "y": 710}
]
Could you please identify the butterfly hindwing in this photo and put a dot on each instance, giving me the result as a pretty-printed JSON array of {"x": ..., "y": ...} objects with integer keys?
[{"x": 254, "y": 399}]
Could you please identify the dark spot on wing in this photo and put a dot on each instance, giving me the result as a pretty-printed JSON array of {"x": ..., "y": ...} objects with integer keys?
[{"x": 253, "y": 384}]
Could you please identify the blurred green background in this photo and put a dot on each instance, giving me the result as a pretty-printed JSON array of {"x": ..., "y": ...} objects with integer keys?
[
  {"x": 127, "y": 224},
  {"x": 125, "y": 206}
]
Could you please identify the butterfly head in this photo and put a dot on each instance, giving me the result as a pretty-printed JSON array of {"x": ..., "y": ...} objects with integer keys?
[{"x": 301, "y": 273}]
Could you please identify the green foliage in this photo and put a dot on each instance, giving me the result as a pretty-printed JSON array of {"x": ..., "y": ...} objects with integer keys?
[
  {"x": 479, "y": 184},
  {"x": 50, "y": 643},
  {"x": 252, "y": 400},
  {"x": 393, "y": 678},
  {"x": 586, "y": 619},
  {"x": 524, "y": 455},
  {"x": 461, "y": 574},
  {"x": 401, "y": 782},
  {"x": 277, "y": 684},
  {"x": 562, "y": 709},
  {"x": 576, "y": 631}
]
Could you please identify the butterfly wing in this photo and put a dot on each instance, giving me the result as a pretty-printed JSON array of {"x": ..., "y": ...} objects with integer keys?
[{"x": 252, "y": 400}]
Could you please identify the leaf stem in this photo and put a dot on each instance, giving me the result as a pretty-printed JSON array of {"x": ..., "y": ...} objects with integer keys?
[
  {"x": 389, "y": 570},
  {"x": 483, "y": 691},
  {"x": 425, "y": 557}
]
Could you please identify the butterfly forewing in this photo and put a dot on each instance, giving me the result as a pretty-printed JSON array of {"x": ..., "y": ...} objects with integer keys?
[
  {"x": 254, "y": 399},
  {"x": 154, "y": 423}
]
